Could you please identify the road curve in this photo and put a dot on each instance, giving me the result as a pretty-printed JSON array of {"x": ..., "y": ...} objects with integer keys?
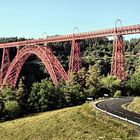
[{"x": 114, "y": 106}]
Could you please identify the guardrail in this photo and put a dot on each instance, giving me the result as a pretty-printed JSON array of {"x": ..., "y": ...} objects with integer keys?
[{"x": 116, "y": 116}]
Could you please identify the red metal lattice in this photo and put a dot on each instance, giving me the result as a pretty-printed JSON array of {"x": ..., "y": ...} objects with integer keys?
[
  {"x": 117, "y": 66},
  {"x": 124, "y": 30},
  {"x": 49, "y": 60},
  {"x": 9, "y": 73},
  {"x": 75, "y": 57},
  {"x": 4, "y": 64}
]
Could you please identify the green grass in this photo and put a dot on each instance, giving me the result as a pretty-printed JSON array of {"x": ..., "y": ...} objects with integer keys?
[
  {"x": 75, "y": 123},
  {"x": 134, "y": 106}
]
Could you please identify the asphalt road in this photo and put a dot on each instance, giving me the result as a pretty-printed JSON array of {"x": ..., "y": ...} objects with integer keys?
[{"x": 114, "y": 106}]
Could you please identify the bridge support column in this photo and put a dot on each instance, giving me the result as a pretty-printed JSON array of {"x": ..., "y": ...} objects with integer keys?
[
  {"x": 75, "y": 57},
  {"x": 117, "y": 66},
  {"x": 4, "y": 64}
]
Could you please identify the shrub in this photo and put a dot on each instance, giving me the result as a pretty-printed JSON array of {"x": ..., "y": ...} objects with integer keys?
[
  {"x": 117, "y": 93},
  {"x": 12, "y": 109},
  {"x": 112, "y": 83}
]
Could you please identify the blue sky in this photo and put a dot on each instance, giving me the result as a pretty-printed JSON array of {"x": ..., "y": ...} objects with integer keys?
[{"x": 31, "y": 18}]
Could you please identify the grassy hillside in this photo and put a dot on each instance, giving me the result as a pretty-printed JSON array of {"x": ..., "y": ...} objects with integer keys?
[
  {"x": 134, "y": 105},
  {"x": 75, "y": 123}
]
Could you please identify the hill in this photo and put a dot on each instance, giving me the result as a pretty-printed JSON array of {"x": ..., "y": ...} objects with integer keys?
[
  {"x": 134, "y": 105},
  {"x": 80, "y": 122}
]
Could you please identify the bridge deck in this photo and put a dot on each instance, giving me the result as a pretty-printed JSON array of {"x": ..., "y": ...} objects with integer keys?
[{"x": 133, "y": 29}]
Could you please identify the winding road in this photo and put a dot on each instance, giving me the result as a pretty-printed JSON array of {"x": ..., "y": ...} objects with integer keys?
[{"x": 113, "y": 106}]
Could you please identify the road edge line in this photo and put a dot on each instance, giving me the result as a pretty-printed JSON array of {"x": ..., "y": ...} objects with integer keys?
[{"x": 116, "y": 116}]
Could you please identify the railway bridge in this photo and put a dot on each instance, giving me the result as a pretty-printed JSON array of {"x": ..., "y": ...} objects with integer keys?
[{"x": 10, "y": 71}]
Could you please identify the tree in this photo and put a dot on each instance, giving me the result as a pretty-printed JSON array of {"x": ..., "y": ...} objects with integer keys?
[
  {"x": 8, "y": 93},
  {"x": 138, "y": 69},
  {"x": 44, "y": 96},
  {"x": 91, "y": 76},
  {"x": 81, "y": 77},
  {"x": 20, "y": 91},
  {"x": 133, "y": 84},
  {"x": 9, "y": 104},
  {"x": 11, "y": 109},
  {"x": 34, "y": 97},
  {"x": 74, "y": 94},
  {"x": 1, "y": 107},
  {"x": 22, "y": 97},
  {"x": 112, "y": 83},
  {"x": 92, "y": 81}
]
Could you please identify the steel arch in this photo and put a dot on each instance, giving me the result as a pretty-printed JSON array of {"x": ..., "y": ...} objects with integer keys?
[{"x": 51, "y": 63}]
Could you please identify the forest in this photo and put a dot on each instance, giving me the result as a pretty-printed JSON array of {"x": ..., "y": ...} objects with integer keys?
[{"x": 35, "y": 91}]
